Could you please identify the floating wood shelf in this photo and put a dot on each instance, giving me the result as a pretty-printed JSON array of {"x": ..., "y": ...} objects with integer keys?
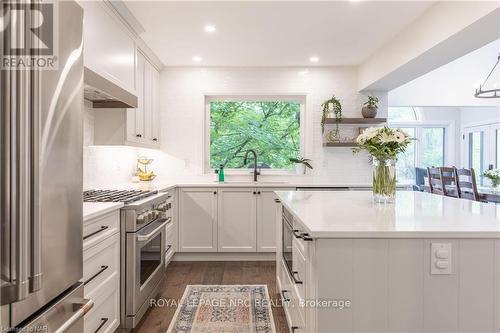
[
  {"x": 340, "y": 144},
  {"x": 356, "y": 121}
]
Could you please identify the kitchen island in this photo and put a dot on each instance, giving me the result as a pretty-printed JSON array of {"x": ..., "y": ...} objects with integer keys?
[{"x": 426, "y": 263}]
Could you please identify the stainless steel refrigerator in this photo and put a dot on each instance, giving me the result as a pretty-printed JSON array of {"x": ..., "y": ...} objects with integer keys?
[{"x": 41, "y": 171}]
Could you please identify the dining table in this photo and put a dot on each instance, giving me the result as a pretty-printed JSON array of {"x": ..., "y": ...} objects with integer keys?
[
  {"x": 489, "y": 194},
  {"x": 486, "y": 194}
]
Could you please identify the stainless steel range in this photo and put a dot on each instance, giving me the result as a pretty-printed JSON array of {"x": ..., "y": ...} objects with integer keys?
[{"x": 143, "y": 239}]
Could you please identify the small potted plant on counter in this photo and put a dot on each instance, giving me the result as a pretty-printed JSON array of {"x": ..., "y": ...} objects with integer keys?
[
  {"x": 332, "y": 108},
  {"x": 370, "y": 107},
  {"x": 301, "y": 164},
  {"x": 494, "y": 176}
]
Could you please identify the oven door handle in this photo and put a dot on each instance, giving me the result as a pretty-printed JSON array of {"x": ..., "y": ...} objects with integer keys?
[{"x": 148, "y": 236}]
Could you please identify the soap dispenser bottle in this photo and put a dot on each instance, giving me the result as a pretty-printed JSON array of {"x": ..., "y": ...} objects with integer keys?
[{"x": 221, "y": 173}]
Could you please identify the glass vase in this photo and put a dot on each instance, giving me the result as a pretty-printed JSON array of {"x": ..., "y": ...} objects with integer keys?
[{"x": 384, "y": 180}]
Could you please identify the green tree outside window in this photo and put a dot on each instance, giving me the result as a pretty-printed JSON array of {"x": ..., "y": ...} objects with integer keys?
[{"x": 271, "y": 128}]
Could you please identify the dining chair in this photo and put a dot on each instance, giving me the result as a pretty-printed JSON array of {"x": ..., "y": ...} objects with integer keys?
[
  {"x": 466, "y": 184},
  {"x": 441, "y": 179}
]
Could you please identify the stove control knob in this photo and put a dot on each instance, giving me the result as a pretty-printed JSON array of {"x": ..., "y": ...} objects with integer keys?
[
  {"x": 140, "y": 219},
  {"x": 162, "y": 207}
]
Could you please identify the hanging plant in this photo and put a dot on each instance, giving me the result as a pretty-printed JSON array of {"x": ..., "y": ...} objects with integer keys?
[{"x": 331, "y": 105}]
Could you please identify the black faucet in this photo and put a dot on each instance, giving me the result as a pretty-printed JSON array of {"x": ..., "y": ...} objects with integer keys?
[{"x": 255, "y": 172}]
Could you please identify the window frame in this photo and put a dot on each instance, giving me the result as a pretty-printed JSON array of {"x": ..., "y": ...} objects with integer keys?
[
  {"x": 300, "y": 98},
  {"x": 449, "y": 143},
  {"x": 490, "y": 157}
]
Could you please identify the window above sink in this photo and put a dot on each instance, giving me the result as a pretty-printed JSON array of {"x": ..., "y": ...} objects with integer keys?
[{"x": 270, "y": 125}]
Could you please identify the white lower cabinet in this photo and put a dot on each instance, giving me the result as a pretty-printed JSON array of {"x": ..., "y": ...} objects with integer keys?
[
  {"x": 198, "y": 220},
  {"x": 101, "y": 273},
  {"x": 266, "y": 218},
  {"x": 237, "y": 220},
  {"x": 104, "y": 317},
  {"x": 227, "y": 219}
]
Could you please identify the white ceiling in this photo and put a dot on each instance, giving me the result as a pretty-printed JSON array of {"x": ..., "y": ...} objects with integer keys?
[{"x": 271, "y": 33}]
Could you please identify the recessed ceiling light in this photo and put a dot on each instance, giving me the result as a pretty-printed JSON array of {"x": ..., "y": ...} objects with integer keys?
[
  {"x": 210, "y": 28},
  {"x": 313, "y": 59},
  {"x": 197, "y": 59}
]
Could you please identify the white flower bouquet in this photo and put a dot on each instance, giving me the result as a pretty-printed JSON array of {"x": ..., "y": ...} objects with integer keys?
[
  {"x": 494, "y": 176},
  {"x": 383, "y": 144}
]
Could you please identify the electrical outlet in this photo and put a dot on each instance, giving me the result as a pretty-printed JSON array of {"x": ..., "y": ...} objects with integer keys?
[{"x": 441, "y": 258}]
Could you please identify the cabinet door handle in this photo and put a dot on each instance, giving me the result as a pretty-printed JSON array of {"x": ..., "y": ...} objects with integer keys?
[
  {"x": 139, "y": 135},
  {"x": 294, "y": 328},
  {"x": 296, "y": 279},
  {"x": 254, "y": 192},
  {"x": 215, "y": 192},
  {"x": 306, "y": 237},
  {"x": 168, "y": 249},
  {"x": 277, "y": 200},
  {"x": 103, "y": 322},
  {"x": 296, "y": 233},
  {"x": 103, "y": 268},
  {"x": 103, "y": 227},
  {"x": 258, "y": 192},
  {"x": 283, "y": 296},
  {"x": 155, "y": 139}
]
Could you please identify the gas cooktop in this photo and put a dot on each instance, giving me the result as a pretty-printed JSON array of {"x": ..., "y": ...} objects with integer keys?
[{"x": 125, "y": 196}]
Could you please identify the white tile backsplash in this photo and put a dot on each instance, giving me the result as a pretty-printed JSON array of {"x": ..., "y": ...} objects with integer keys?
[{"x": 182, "y": 105}]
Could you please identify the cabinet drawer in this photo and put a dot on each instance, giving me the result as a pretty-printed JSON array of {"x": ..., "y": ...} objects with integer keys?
[
  {"x": 104, "y": 316},
  {"x": 300, "y": 243},
  {"x": 285, "y": 289},
  {"x": 171, "y": 236},
  {"x": 98, "y": 229},
  {"x": 299, "y": 269},
  {"x": 100, "y": 262}
]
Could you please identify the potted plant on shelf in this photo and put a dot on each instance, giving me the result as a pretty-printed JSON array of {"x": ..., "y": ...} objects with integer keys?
[
  {"x": 493, "y": 176},
  {"x": 370, "y": 107},
  {"x": 332, "y": 108},
  {"x": 301, "y": 164},
  {"x": 384, "y": 144}
]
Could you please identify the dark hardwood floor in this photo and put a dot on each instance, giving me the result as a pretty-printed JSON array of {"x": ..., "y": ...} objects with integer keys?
[{"x": 181, "y": 273}]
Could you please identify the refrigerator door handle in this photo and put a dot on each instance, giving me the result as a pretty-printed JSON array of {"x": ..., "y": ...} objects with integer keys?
[
  {"x": 16, "y": 183},
  {"x": 35, "y": 278},
  {"x": 80, "y": 308}
]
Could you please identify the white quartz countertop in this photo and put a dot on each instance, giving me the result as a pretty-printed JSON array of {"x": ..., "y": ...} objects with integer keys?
[
  {"x": 353, "y": 214},
  {"x": 264, "y": 182},
  {"x": 94, "y": 209}
]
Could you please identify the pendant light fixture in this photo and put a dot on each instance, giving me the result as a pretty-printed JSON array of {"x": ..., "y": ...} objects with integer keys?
[{"x": 489, "y": 93}]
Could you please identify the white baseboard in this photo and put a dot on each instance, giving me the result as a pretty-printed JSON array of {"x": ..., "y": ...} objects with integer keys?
[{"x": 216, "y": 256}]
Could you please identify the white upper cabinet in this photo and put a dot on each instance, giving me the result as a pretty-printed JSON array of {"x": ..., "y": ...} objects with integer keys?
[
  {"x": 109, "y": 48},
  {"x": 143, "y": 122},
  {"x": 116, "y": 53}
]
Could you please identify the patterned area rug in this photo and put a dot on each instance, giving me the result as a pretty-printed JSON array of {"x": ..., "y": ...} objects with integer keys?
[{"x": 224, "y": 309}]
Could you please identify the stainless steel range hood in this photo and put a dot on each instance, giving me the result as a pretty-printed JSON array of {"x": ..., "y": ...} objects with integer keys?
[{"x": 103, "y": 93}]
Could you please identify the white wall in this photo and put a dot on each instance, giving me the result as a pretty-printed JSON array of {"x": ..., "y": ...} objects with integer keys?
[
  {"x": 472, "y": 116},
  {"x": 114, "y": 166},
  {"x": 183, "y": 93},
  {"x": 452, "y": 84},
  {"x": 446, "y": 31}
]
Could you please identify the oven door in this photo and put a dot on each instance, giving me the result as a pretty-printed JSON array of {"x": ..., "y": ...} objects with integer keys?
[
  {"x": 145, "y": 264},
  {"x": 287, "y": 236}
]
